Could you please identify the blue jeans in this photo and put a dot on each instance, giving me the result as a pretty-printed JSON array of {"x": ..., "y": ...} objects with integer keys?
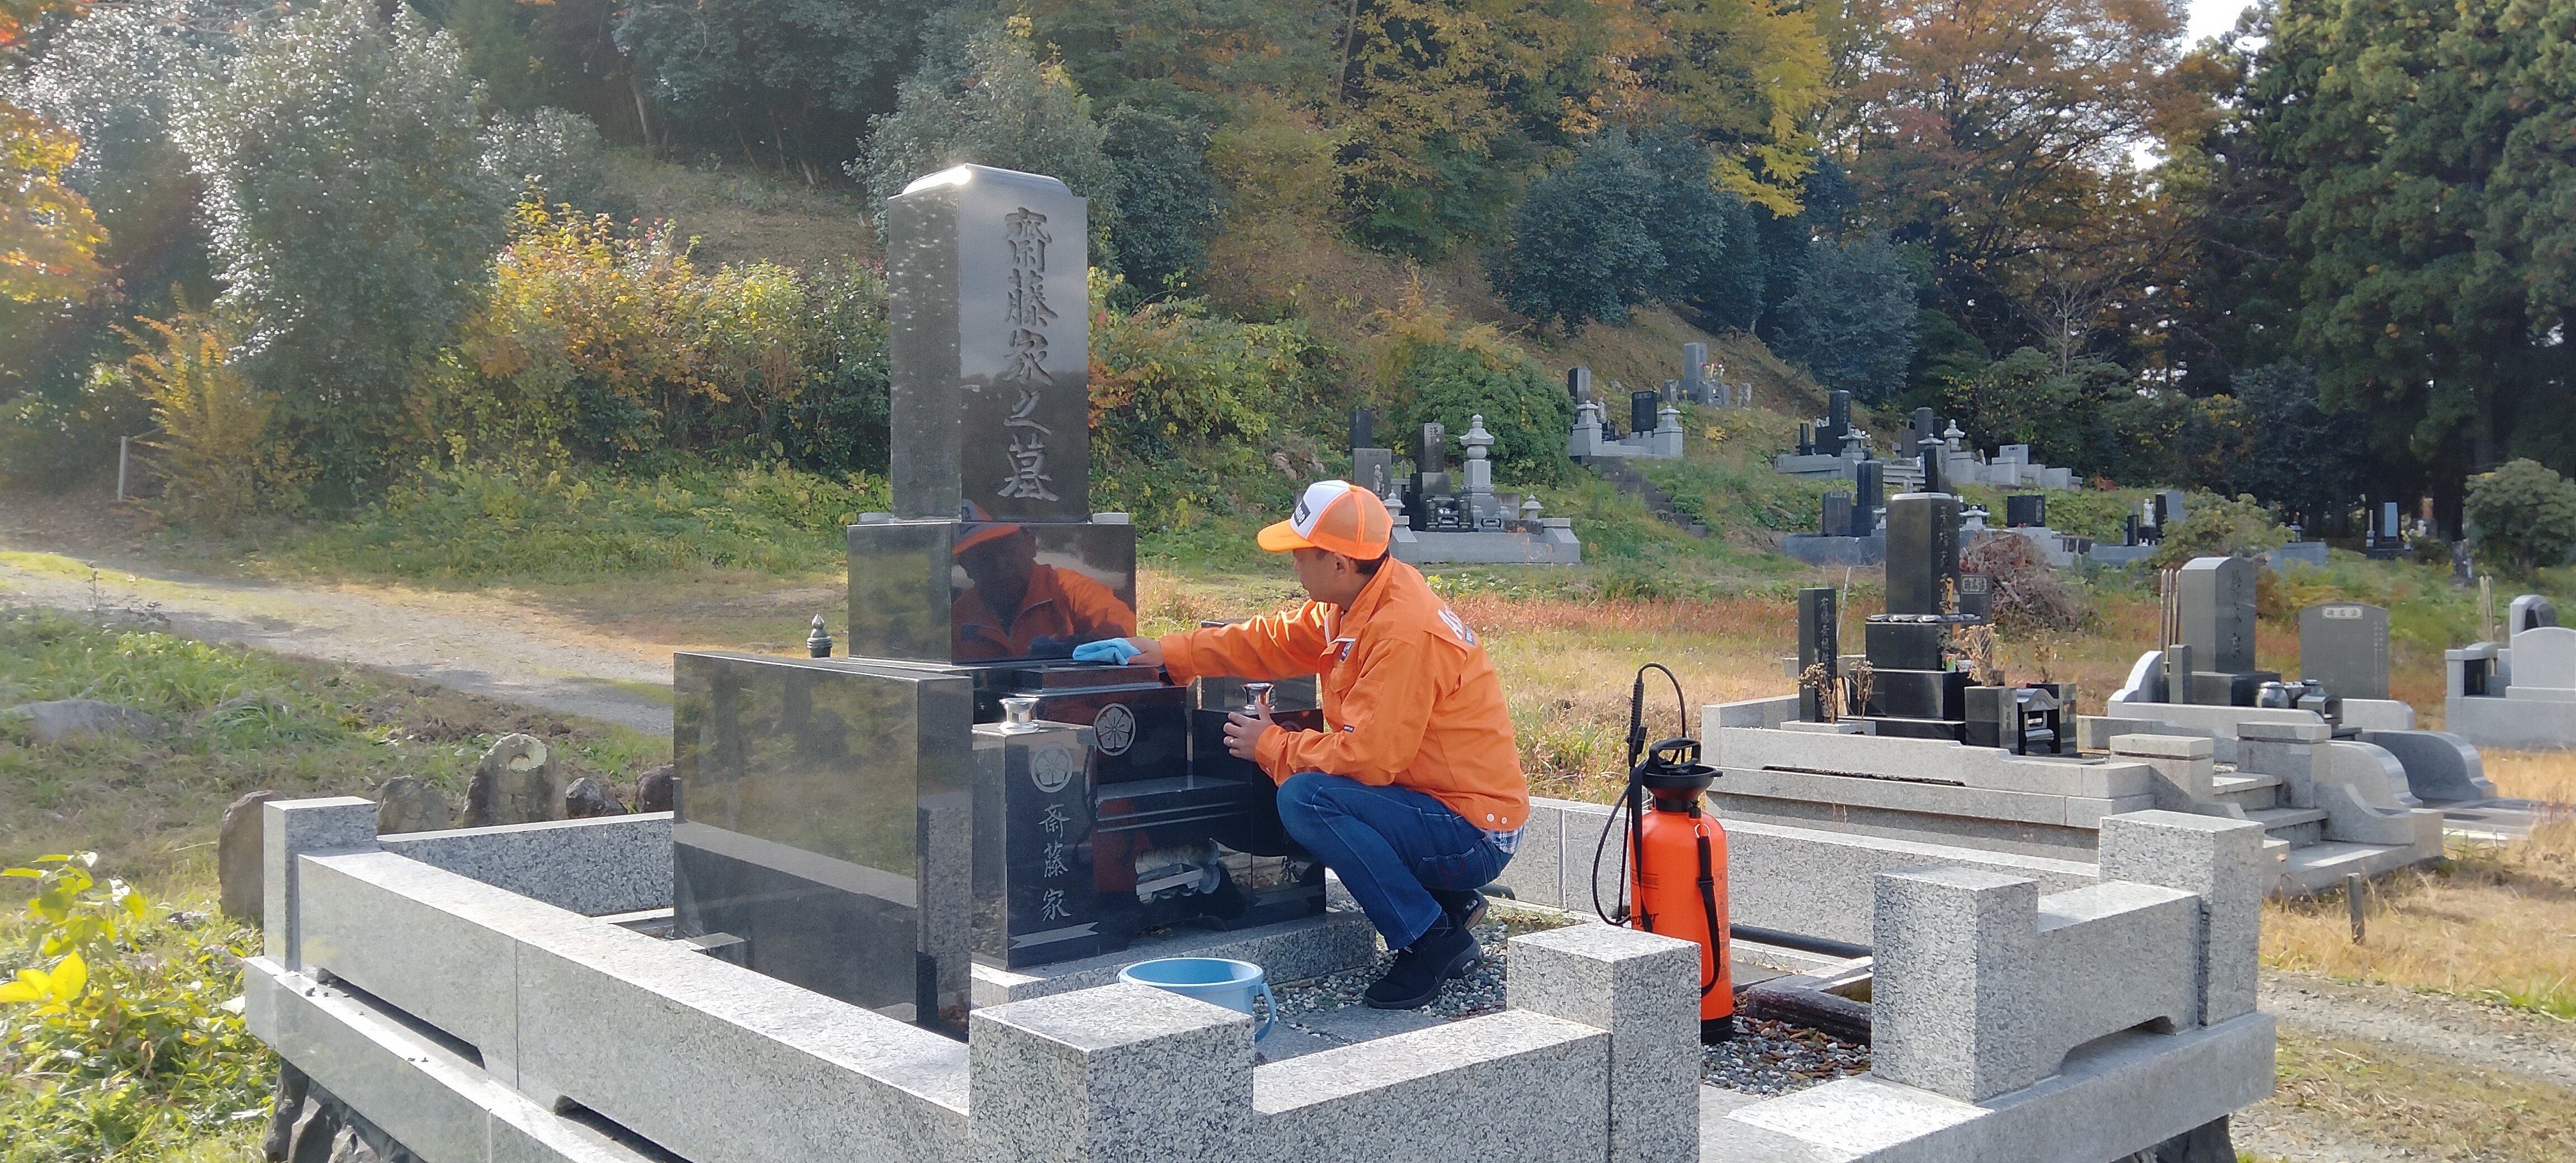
[{"x": 1390, "y": 845}]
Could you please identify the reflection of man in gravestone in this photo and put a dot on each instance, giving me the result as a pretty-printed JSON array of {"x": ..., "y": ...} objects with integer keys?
[
  {"x": 1413, "y": 794},
  {"x": 1017, "y": 607}
]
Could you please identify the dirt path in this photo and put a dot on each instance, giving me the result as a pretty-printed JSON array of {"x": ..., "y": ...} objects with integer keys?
[
  {"x": 2479, "y": 1035},
  {"x": 483, "y": 645},
  {"x": 2459, "y": 1035}
]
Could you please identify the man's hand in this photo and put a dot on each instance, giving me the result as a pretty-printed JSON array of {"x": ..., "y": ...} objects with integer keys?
[
  {"x": 1121, "y": 652},
  {"x": 1243, "y": 732}
]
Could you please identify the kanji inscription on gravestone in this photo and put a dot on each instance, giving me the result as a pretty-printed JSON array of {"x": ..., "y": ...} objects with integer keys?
[
  {"x": 990, "y": 346},
  {"x": 2345, "y": 646}
]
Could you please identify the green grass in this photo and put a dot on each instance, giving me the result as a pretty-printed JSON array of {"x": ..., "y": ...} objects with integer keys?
[
  {"x": 481, "y": 524},
  {"x": 238, "y": 721}
]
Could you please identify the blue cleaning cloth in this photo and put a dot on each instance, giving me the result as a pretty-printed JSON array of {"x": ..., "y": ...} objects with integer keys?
[{"x": 1115, "y": 651}]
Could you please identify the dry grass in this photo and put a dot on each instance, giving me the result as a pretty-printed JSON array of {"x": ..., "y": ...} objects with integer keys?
[
  {"x": 741, "y": 215},
  {"x": 2439, "y": 1107},
  {"x": 2492, "y": 922},
  {"x": 2548, "y": 776}
]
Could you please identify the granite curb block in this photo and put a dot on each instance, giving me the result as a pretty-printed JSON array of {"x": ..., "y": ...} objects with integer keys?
[
  {"x": 1119, "y": 1072},
  {"x": 610, "y": 864},
  {"x": 2111, "y": 1099},
  {"x": 1642, "y": 989},
  {"x": 1494, "y": 1088},
  {"x": 288, "y": 830},
  {"x": 1781, "y": 877},
  {"x": 420, "y": 1090}
]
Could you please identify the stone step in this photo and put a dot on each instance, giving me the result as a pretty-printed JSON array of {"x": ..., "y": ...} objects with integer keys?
[
  {"x": 2254, "y": 793},
  {"x": 2318, "y": 866},
  {"x": 2300, "y": 826}
]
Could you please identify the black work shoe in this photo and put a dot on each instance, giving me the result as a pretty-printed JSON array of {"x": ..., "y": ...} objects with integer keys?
[
  {"x": 1444, "y": 952},
  {"x": 1466, "y": 909}
]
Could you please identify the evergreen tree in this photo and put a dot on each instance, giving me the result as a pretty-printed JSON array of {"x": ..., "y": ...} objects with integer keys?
[
  {"x": 1850, "y": 322},
  {"x": 1584, "y": 241},
  {"x": 1167, "y": 199},
  {"x": 782, "y": 77},
  {"x": 996, "y": 106},
  {"x": 2427, "y": 141},
  {"x": 351, "y": 220}
]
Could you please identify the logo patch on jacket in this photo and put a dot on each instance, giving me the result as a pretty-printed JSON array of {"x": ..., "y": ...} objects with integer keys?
[{"x": 1457, "y": 626}]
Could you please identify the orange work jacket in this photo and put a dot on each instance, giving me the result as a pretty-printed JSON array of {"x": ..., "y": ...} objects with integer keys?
[{"x": 1409, "y": 697}]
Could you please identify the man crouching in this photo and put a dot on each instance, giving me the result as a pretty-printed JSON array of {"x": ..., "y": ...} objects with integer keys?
[{"x": 1413, "y": 794}]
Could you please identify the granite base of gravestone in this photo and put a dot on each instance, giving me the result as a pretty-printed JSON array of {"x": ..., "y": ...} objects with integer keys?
[
  {"x": 410, "y": 805},
  {"x": 239, "y": 856},
  {"x": 516, "y": 783}
]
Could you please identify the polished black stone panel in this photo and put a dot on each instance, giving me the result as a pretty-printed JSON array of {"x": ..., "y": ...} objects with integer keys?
[
  {"x": 1906, "y": 645},
  {"x": 1141, "y": 723},
  {"x": 989, "y": 319},
  {"x": 1918, "y": 694},
  {"x": 926, "y": 591},
  {"x": 1922, "y": 553},
  {"x": 1037, "y": 897},
  {"x": 824, "y": 817}
]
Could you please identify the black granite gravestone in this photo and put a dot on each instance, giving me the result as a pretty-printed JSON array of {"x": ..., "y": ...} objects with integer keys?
[
  {"x": 860, "y": 822},
  {"x": 2027, "y": 511},
  {"x": 1865, "y": 498},
  {"x": 1914, "y": 691},
  {"x": 1933, "y": 455},
  {"x": 1642, "y": 407},
  {"x": 2345, "y": 646},
  {"x": 1837, "y": 516},
  {"x": 1819, "y": 652},
  {"x": 988, "y": 315}
]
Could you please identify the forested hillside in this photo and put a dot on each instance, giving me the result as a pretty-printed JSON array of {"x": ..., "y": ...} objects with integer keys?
[{"x": 315, "y": 250}]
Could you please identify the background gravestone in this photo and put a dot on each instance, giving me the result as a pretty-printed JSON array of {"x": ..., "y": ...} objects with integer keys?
[
  {"x": 2218, "y": 613},
  {"x": 409, "y": 805},
  {"x": 239, "y": 857},
  {"x": 516, "y": 783},
  {"x": 2345, "y": 646}
]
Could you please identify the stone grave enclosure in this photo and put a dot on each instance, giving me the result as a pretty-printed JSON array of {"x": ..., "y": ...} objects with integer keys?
[{"x": 495, "y": 993}]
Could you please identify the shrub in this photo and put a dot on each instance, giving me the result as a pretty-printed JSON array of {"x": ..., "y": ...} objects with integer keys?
[
  {"x": 1523, "y": 407},
  {"x": 123, "y": 1034},
  {"x": 2523, "y": 513},
  {"x": 350, "y": 216},
  {"x": 2215, "y": 527},
  {"x": 612, "y": 344},
  {"x": 1429, "y": 369},
  {"x": 1168, "y": 377},
  {"x": 218, "y": 460}
]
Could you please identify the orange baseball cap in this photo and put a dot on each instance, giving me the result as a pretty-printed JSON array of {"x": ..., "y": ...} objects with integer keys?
[{"x": 1335, "y": 516}]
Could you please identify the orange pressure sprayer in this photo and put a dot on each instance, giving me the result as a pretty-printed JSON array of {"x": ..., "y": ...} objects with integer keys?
[{"x": 1676, "y": 857}]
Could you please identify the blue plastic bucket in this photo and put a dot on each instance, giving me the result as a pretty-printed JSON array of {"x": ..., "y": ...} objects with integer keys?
[{"x": 1215, "y": 980}]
